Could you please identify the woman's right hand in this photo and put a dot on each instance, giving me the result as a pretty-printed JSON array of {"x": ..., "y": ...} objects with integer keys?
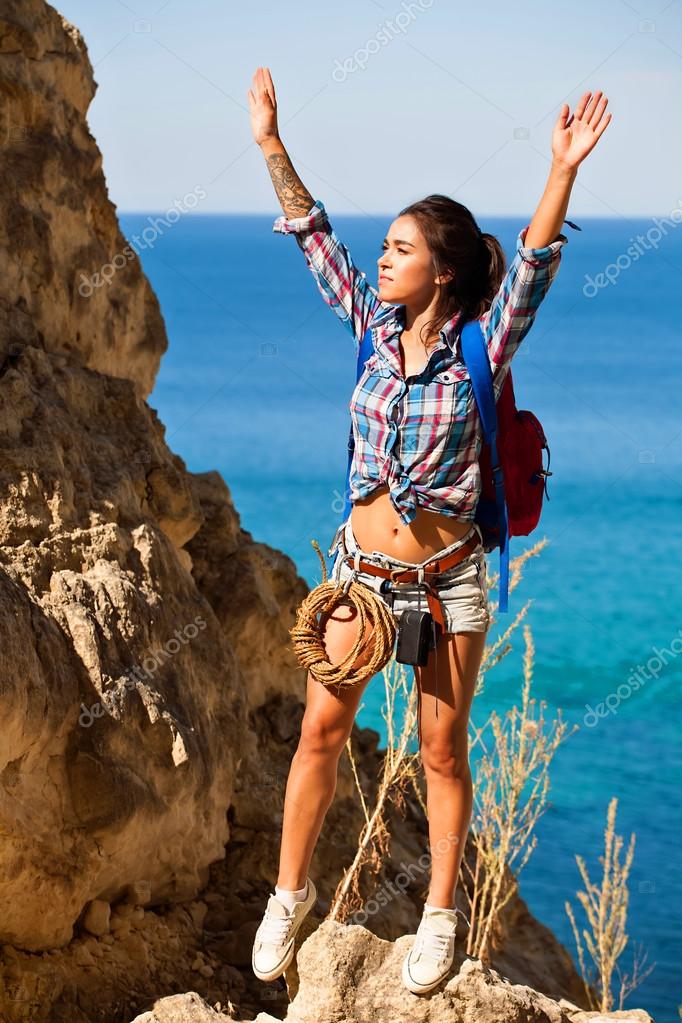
[{"x": 263, "y": 106}]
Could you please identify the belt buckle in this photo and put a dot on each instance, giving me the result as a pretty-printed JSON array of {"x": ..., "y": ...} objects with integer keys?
[{"x": 395, "y": 572}]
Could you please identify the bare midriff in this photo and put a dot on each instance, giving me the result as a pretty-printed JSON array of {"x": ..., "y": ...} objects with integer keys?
[{"x": 378, "y": 527}]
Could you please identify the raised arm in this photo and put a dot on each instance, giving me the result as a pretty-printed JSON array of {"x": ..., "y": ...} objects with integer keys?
[
  {"x": 572, "y": 139},
  {"x": 342, "y": 285},
  {"x": 538, "y": 251},
  {"x": 294, "y": 197}
]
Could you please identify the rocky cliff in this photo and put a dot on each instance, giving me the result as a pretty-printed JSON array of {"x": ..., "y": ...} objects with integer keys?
[{"x": 150, "y": 700}]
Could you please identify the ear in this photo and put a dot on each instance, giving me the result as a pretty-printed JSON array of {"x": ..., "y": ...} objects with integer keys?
[{"x": 445, "y": 278}]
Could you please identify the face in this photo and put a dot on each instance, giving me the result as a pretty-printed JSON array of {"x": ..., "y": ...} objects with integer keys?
[{"x": 405, "y": 266}]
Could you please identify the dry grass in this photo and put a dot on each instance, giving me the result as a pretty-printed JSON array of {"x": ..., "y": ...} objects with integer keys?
[
  {"x": 510, "y": 787},
  {"x": 605, "y": 907},
  {"x": 511, "y": 782}
]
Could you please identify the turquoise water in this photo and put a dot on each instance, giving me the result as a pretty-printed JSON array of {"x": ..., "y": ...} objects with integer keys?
[{"x": 255, "y": 384}]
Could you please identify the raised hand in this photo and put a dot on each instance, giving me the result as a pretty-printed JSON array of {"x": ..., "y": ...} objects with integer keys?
[
  {"x": 574, "y": 137},
  {"x": 263, "y": 106}
]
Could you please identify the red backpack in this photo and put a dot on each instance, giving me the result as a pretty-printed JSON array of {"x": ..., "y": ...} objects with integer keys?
[
  {"x": 513, "y": 477},
  {"x": 520, "y": 443}
]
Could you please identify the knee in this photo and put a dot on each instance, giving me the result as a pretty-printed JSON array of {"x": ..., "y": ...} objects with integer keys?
[
  {"x": 320, "y": 740},
  {"x": 446, "y": 758}
]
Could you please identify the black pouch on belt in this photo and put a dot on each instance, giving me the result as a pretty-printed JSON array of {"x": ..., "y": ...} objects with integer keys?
[{"x": 415, "y": 634}]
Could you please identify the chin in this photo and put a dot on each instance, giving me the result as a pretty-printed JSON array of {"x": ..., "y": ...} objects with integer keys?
[{"x": 387, "y": 293}]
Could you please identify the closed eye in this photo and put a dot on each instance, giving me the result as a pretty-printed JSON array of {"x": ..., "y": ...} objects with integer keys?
[{"x": 403, "y": 252}]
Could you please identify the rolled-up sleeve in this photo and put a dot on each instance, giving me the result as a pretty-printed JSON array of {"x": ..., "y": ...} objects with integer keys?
[
  {"x": 315, "y": 220},
  {"x": 342, "y": 285},
  {"x": 512, "y": 311}
]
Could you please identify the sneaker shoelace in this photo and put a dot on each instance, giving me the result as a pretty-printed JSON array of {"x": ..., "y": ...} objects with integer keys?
[
  {"x": 437, "y": 945},
  {"x": 275, "y": 929}
]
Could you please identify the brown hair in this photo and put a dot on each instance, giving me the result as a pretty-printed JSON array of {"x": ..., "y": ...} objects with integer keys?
[{"x": 457, "y": 244}]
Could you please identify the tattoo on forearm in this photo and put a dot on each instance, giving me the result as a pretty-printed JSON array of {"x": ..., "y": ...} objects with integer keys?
[{"x": 296, "y": 200}]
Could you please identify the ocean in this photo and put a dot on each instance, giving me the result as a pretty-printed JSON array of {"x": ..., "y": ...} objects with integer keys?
[{"x": 256, "y": 384}]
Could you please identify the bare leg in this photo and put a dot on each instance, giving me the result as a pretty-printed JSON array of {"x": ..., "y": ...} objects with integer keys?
[
  {"x": 327, "y": 723},
  {"x": 445, "y": 756}
]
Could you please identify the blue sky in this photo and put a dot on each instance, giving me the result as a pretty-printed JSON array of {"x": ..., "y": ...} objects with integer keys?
[{"x": 383, "y": 101}]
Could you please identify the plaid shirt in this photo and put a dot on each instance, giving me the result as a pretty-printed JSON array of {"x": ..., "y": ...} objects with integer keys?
[{"x": 421, "y": 435}]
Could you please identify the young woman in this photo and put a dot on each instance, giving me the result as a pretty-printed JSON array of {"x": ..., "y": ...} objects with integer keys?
[{"x": 415, "y": 482}]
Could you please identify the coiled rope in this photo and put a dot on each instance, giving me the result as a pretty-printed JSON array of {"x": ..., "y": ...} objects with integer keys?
[{"x": 307, "y": 635}]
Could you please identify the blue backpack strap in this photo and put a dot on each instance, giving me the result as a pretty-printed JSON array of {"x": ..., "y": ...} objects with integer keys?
[
  {"x": 475, "y": 355},
  {"x": 364, "y": 351}
]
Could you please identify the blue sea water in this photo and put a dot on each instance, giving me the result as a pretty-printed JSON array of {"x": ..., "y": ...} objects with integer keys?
[{"x": 255, "y": 384}]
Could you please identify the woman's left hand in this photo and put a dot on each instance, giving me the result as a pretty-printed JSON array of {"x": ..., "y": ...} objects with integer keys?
[{"x": 573, "y": 138}]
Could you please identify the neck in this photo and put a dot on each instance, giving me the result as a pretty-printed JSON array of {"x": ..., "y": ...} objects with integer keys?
[{"x": 416, "y": 318}]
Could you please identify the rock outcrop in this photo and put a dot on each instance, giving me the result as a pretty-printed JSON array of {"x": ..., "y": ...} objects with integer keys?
[
  {"x": 124, "y": 705},
  {"x": 151, "y": 701},
  {"x": 367, "y": 988},
  {"x": 58, "y": 228}
]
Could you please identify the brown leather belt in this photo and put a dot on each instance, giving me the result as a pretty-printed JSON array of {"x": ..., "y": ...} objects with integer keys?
[{"x": 431, "y": 568}]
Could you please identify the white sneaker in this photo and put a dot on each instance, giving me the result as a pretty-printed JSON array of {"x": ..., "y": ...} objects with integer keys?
[
  {"x": 273, "y": 945},
  {"x": 431, "y": 956}
]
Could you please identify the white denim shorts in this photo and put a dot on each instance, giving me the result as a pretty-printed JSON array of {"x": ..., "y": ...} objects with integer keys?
[{"x": 463, "y": 589}]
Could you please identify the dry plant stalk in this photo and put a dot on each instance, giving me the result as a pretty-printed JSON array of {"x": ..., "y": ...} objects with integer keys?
[
  {"x": 510, "y": 790},
  {"x": 399, "y": 767},
  {"x": 499, "y": 649},
  {"x": 606, "y": 911},
  {"x": 505, "y": 820}
]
